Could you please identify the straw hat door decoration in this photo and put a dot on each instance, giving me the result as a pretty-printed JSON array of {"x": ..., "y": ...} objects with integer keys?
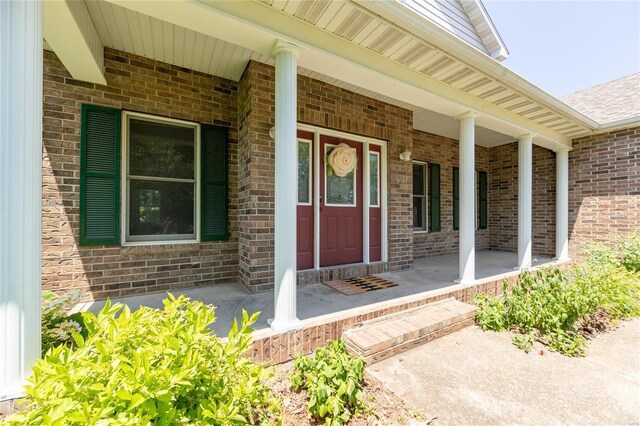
[{"x": 342, "y": 160}]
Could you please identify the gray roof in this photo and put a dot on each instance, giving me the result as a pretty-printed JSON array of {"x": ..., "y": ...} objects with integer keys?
[{"x": 612, "y": 101}]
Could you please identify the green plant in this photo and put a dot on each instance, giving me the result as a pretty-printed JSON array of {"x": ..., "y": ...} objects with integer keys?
[
  {"x": 541, "y": 306},
  {"x": 631, "y": 253},
  {"x": 560, "y": 309},
  {"x": 151, "y": 367},
  {"x": 58, "y": 325},
  {"x": 524, "y": 341},
  {"x": 333, "y": 380}
]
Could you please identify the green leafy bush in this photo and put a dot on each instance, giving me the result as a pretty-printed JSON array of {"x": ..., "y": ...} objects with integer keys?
[
  {"x": 333, "y": 380},
  {"x": 552, "y": 307},
  {"x": 151, "y": 366},
  {"x": 58, "y": 325},
  {"x": 631, "y": 254},
  {"x": 542, "y": 306}
]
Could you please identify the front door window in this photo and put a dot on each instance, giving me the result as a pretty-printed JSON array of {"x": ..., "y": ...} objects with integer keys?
[{"x": 340, "y": 191}]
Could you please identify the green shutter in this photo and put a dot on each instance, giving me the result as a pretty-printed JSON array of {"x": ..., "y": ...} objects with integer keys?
[
  {"x": 213, "y": 185},
  {"x": 434, "y": 197},
  {"x": 99, "y": 176},
  {"x": 456, "y": 199},
  {"x": 482, "y": 200}
]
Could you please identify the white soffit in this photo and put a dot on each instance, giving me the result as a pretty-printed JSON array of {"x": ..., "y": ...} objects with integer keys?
[{"x": 127, "y": 30}]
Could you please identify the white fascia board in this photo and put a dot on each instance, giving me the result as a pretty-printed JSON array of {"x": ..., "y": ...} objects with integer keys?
[
  {"x": 414, "y": 23},
  {"x": 626, "y": 123},
  {"x": 491, "y": 38},
  {"x": 69, "y": 30},
  {"x": 257, "y": 26}
]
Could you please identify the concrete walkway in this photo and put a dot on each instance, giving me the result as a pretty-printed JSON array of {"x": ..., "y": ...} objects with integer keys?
[{"x": 479, "y": 378}]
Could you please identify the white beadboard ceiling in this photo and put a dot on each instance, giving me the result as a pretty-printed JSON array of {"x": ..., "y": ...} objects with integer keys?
[{"x": 133, "y": 32}]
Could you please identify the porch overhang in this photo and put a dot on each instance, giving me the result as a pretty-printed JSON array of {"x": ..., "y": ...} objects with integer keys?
[
  {"x": 69, "y": 31},
  {"x": 448, "y": 77}
]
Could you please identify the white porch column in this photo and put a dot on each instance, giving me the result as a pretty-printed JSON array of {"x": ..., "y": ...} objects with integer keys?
[
  {"x": 525, "y": 188},
  {"x": 467, "y": 198},
  {"x": 20, "y": 191},
  {"x": 285, "y": 315},
  {"x": 562, "y": 204}
]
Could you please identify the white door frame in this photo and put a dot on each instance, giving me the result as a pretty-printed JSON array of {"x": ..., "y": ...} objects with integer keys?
[{"x": 317, "y": 157}]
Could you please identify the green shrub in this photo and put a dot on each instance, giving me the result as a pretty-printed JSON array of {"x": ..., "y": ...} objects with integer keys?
[
  {"x": 151, "y": 366},
  {"x": 541, "y": 306},
  {"x": 631, "y": 253},
  {"x": 616, "y": 289},
  {"x": 58, "y": 325},
  {"x": 550, "y": 307},
  {"x": 333, "y": 380}
]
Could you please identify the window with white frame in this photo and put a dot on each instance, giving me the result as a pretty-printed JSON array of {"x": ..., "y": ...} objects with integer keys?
[
  {"x": 304, "y": 172},
  {"x": 420, "y": 196},
  {"x": 374, "y": 179},
  {"x": 160, "y": 185}
]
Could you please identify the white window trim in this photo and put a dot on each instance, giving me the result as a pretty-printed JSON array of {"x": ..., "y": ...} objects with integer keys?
[
  {"x": 375, "y": 203},
  {"x": 425, "y": 197},
  {"x": 124, "y": 184},
  {"x": 308, "y": 142},
  {"x": 355, "y": 183}
]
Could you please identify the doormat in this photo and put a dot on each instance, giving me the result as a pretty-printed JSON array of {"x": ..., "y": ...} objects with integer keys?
[{"x": 360, "y": 285}]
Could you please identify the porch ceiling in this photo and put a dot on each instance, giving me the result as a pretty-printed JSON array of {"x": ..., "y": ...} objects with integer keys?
[
  {"x": 350, "y": 44},
  {"x": 124, "y": 29},
  {"x": 130, "y": 31}
]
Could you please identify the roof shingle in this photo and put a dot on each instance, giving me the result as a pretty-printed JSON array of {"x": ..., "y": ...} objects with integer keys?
[{"x": 612, "y": 101}]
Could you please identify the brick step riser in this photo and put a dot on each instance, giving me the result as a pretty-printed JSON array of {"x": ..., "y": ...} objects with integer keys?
[
  {"x": 405, "y": 345},
  {"x": 397, "y": 340}
]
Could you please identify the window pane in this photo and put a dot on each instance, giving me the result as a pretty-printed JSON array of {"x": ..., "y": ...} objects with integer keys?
[
  {"x": 418, "y": 212},
  {"x": 339, "y": 190},
  {"x": 418, "y": 179},
  {"x": 160, "y": 208},
  {"x": 161, "y": 150},
  {"x": 303, "y": 172},
  {"x": 373, "y": 179}
]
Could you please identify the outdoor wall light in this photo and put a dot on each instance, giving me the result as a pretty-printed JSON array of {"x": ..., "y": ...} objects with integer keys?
[
  {"x": 272, "y": 132},
  {"x": 406, "y": 155}
]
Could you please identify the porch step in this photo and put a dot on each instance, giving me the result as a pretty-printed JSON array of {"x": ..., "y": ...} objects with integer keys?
[{"x": 390, "y": 335}]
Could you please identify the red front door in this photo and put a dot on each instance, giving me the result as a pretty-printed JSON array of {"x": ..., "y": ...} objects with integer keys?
[{"x": 340, "y": 209}]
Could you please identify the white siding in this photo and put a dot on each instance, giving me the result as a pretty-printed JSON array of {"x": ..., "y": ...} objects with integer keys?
[{"x": 449, "y": 15}]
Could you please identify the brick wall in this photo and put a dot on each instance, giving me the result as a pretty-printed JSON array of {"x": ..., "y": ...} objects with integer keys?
[
  {"x": 604, "y": 187},
  {"x": 503, "y": 200},
  {"x": 322, "y": 105},
  {"x": 136, "y": 84},
  {"x": 444, "y": 151}
]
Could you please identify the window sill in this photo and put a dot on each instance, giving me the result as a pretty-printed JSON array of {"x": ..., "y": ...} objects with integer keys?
[
  {"x": 160, "y": 247},
  {"x": 158, "y": 243},
  {"x": 421, "y": 231}
]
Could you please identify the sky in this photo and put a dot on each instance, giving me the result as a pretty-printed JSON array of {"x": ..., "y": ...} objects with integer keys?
[{"x": 564, "y": 46}]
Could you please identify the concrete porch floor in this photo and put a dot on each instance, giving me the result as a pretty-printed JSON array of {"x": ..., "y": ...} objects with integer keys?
[{"x": 314, "y": 300}]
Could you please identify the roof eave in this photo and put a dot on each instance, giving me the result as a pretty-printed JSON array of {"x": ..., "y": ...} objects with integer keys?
[
  {"x": 492, "y": 38},
  {"x": 398, "y": 14},
  {"x": 625, "y": 123}
]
